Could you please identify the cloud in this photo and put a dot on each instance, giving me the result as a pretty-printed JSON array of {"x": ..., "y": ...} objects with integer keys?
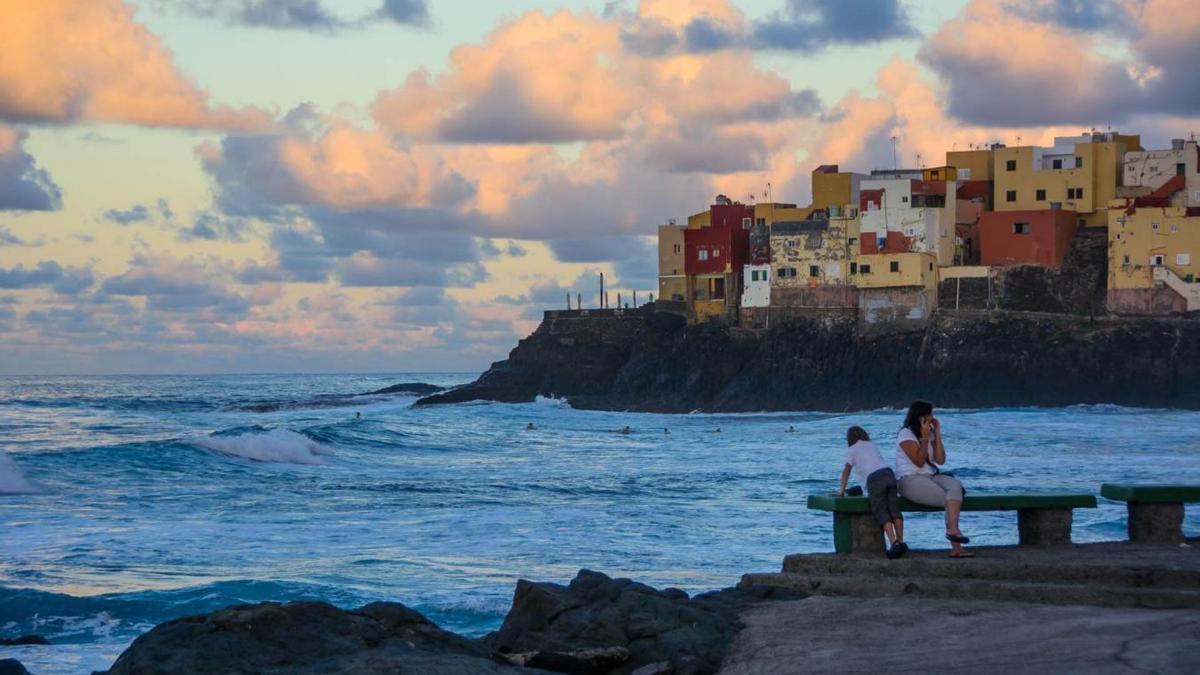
[
  {"x": 135, "y": 214},
  {"x": 212, "y": 226},
  {"x": 998, "y": 57},
  {"x": 7, "y": 238},
  {"x": 806, "y": 25},
  {"x": 310, "y": 15},
  {"x": 63, "y": 61},
  {"x": 48, "y": 273},
  {"x": 23, "y": 185},
  {"x": 174, "y": 285}
]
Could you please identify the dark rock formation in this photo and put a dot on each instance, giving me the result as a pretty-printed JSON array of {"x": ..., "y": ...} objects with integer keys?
[
  {"x": 24, "y": 640},
  {"x": 653, "y": 362},
  {"x": 306, "y": 637},
  {"x": 596, "y": 612},
  {"x": 414, "y": 388},
  {"x": 12, "y": 667}
]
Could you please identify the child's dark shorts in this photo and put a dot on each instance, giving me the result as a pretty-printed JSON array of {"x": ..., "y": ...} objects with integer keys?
[{"x": 884, "y": 496}]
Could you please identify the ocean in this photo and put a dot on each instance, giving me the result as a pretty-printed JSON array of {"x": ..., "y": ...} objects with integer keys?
[{"x": 129, "y": 500}]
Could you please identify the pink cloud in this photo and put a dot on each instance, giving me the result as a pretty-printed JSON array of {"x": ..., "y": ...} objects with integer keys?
[{"x": 71, "y": 60}]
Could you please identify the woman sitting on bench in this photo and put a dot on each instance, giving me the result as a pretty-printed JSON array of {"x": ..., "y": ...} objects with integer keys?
[{"x": 919, "y": 451}]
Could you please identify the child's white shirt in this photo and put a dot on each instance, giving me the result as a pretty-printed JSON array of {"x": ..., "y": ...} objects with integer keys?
[{"x": 866, "y": 459}]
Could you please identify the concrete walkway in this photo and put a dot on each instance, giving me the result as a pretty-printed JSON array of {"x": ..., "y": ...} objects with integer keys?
[
  {"x": 824, "y": 634},
  {"x": 1092, "y": 608}
]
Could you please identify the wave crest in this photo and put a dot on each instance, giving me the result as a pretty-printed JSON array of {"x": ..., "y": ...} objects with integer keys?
[
  {"x": 282, "y": 446},
  {"x": 13, "y": 480}
]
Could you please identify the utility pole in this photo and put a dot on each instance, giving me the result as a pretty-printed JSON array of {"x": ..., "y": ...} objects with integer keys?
[
  {"x": 602, "y": 303},
  {"x": 895, "y": 163},
  {"x": 568, "y": 301},
  {"x": 578, "y": 300},
  {"x": 635, "y": 299}
]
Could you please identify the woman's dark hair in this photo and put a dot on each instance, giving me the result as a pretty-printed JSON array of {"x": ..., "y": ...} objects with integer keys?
[
  {"x": 856, "y": 434},
  {"x": 917, "y": 410}
]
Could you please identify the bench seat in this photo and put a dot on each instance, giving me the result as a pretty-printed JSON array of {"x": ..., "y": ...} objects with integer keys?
[
  {"x": 1042, "y": 519},
  {"x": 1155, "y": 511}
]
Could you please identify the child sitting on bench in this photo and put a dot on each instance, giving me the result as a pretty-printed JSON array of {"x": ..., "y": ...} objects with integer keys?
[{"x": 880, "y": 482}]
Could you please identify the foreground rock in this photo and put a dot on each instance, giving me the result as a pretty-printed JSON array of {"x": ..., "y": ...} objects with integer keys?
[
  {"x": 306, "y": 637},
  {"x": 12, "y": 667},
  {"x": 681, "y": 635},
  {"x": 653, "y": 362}
]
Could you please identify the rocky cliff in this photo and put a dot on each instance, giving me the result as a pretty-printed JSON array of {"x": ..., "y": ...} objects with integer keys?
[{"x": 654, "y": 362}]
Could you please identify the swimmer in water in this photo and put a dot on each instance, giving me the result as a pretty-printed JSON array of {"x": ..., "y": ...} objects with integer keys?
[
  {"x": 529, "y": 427},
  {"x": 627, "y": 431},
  {"x": 791, "y": 429},
  {"x": 357, "y": 415},
  {"x": 718, "y": 430},
  {"x": 666, "y": 430}
]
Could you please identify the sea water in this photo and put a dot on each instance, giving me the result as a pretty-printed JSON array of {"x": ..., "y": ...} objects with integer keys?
[{"x": 127, "y": 501}]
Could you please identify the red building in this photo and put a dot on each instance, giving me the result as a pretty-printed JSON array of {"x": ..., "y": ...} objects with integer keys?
[
  {"x": 722, "y": 247},
  {"x": 1026, "y": 237}
]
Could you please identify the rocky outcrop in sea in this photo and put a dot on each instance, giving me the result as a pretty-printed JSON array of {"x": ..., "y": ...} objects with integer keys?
[{"x": 653, "y": 361}]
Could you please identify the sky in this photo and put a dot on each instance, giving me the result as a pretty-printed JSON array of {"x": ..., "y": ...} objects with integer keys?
[{"x": 209, "y": 186}]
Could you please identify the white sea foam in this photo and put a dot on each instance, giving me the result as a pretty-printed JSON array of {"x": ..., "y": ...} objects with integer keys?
[
  {"x": 551, "y": 401},
  {"x": 276, "y": 445},
  {"x": 13, "y": 480}
]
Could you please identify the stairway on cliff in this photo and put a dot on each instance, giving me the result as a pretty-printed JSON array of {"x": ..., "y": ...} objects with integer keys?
[{"x": 1115, "y": 574}]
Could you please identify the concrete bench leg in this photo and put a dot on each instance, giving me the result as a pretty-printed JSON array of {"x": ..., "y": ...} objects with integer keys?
[
  {"x": 856, "y": 533},
  {"x": 1155, "y": 523},
  {"x": 1044, "y": 527}
]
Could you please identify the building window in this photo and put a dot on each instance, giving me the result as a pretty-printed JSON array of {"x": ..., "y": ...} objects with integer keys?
[
  {"x": 1058, "y": 163},
  {"x": 1174, "y": 227},
  {"x": 716, "y": 253},
  {"x": 853, "y": 268},
  {"x": 1183, "y": 259},
  {"x": 762, "y": 221},
  {"x": 746, "y": 223},
  {"x": 1118, "y": 236},
  {"x": 1010, "y": 196},
  {"x": 814, "y": 271},
  {"x": 1010, "y": 165},
  {"x": 930, "y": 267},
  {"x": 1157, "y": 260},
  {"x": 1154, "y": 226},
  {"x": 864, "y": 269},
  {"x": 702, "y": 254},
  {"x": 904, "y": 199},
  {"x": 1078, "y": 162},
  {"x": 785, "y": 272},
  {"x": 1040, "y": 195},
  {"x": 1180, "y": 169},
  {"x": 677, "y": 248},
  {"x": 1020, "y": 228},
  {"x": 1125, "y": 260},
  {"x": 1075, "y": 193},
  {"x": 895, "y": 265}
]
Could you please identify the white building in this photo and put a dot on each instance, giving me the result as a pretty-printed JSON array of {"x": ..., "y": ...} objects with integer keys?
[
  {"x": 756, "y": 286},
  {"x": 926, "y": 215}
]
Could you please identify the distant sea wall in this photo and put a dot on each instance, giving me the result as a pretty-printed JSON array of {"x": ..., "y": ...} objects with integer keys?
[{"x": 650, "y": 361}]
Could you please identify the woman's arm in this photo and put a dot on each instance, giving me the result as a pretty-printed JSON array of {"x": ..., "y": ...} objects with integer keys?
[
  {"x": 939, "y": 450},
  {"x": 845, "y": 478},
  {"x": 915, "y": 451}
]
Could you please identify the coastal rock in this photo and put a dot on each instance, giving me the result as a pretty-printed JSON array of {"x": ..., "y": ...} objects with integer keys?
[
  {"x": 24, "y": 640},
  {"x": 12, "y": 667},
  {"x": 306, "y": 637},
  {"x": 414, "y": 388},
  {"x": 654, "y": 362},
  {"x": 691, "y": 635}
]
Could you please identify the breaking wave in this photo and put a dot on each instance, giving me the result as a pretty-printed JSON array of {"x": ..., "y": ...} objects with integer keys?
[
  {"x": 13, "y": 480},
  {"x": 258, "y": 444}
]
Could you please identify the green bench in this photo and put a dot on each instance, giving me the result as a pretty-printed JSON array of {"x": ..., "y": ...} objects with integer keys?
[
  {"x": 1155, "y": 511},
  {"x": 1042, "y": 519}
]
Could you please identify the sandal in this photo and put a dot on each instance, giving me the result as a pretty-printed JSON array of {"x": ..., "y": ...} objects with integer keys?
[
  {"x": 961, "y": 554},
  {"x": 959, "y": 538}
]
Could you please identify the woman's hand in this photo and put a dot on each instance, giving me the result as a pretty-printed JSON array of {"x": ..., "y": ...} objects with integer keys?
[{"x": 935, "y": 424}]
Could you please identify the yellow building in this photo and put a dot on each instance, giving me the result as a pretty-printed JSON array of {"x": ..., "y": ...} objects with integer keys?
[
  {"x": 1081, "y": 173},
  {"x": 767, "y": 213},
  {"x": 970, "y": 164},
  {"x": 699, "y": 220},
  {"x": 833, "y": 188},
  {"x": 940, "y": 173},
  {"x": 813, "y": 251},
  {"x": 896, "y": 286},
  {"x": 672, "y": 282},
  {"x": 1154, "y": 259}
]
